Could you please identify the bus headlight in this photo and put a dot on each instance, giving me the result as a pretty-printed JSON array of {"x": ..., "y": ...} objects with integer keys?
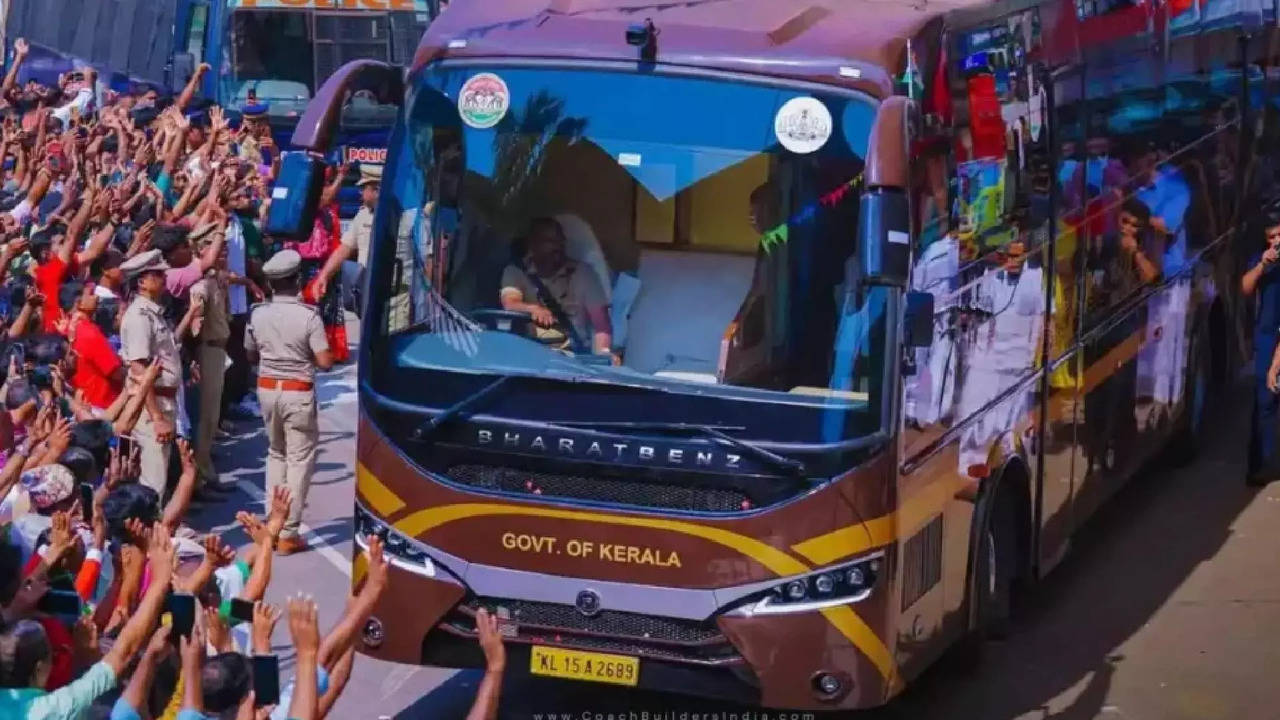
[
  {"x": 401, "y": 550},
  {"x": 829, "y": 587}
]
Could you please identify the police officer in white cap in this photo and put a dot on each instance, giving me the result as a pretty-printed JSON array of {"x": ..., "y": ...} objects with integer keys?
[
  {"x": 286, "y": 338},
  {"x": 144, "y": 335}
]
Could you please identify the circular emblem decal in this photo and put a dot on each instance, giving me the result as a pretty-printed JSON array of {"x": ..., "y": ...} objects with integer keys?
[
  {"x": 588, "y": 603},
  {"x": 484, "y": 101},
  {"x": 803, "y": 125}
]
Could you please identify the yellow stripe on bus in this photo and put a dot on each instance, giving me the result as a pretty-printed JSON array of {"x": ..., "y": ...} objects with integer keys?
[
  {"x": 381, "y": 498},
  {"x": 777, "y": 561},
  {"x": 847, "y": 541}
]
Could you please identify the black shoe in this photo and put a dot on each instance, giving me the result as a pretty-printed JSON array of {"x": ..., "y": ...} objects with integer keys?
[{"x": 212, "y": 492}]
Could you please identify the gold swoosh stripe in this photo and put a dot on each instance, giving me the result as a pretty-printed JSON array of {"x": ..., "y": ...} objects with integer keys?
[
  {"x": 843, "y": 619},
  {"x": 380, "y": 497},
  {"x": 846, "y": 541}
]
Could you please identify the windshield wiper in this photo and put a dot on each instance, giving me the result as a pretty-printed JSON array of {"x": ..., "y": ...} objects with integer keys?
[
  {"x": 426, "y": 430},
  {"x": 791, "y": 465}
]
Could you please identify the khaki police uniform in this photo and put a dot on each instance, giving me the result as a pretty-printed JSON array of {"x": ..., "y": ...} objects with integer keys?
[
  {"x": 215, "y": 330},
  {"x": 287, "y": 334},
  {"x": 145, "y": 335}
]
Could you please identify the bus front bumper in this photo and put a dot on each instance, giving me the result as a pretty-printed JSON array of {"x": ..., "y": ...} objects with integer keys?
[{"x": 803, "y": 661}]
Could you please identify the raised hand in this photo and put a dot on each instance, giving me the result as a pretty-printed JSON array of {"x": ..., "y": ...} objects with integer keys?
[
  {"x": 264, "y": 624},
  {"x": 159, "y": 646},
  {"x": 253, "y": 527},
  {"x": 162, "y": 555},
  {"x": 21, "y": 48},
  {"x": 60, "y": 537},
  {"x": 219, "y": 633},
  {"x": 84, "y": 642},
  {"x": 139, "y": 533},
  {"x": 303, "y": 627},
  {"x": 187, "y": 455},
  {"x": 281, "y": 502},
  {"x": 216, "y": 553},
  {"x": 495, "y": 653},
  {"x": 379, "y": 566}
]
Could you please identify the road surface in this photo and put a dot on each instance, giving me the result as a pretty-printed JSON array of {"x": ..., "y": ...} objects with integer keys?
[{"x": 1168, "y": 606}]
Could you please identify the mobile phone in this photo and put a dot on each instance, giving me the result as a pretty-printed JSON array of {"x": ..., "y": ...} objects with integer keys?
[
  {"x": 182, "y": 608},
  {"x": 104, "y": 180},
  {"x": 266, "y": 680},
  {"x": 86, "y": 501},
  {"x": 60, "y": 602},
  {"x": 126, "y": 446},
  {"x": 241, "y": 610}
]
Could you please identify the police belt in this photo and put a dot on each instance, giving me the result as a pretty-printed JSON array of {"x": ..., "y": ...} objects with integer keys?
[{"x": 270, "y": 383}]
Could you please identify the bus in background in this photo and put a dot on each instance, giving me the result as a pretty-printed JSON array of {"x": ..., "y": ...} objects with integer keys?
[
  {"x": 277, "y": 51},
  {"x": 759, "y": 351},
  {"x": 280, "y": 51}
]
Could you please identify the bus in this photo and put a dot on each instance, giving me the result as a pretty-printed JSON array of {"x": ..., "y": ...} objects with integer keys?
[
  {"x": 276, "y": 52},
  {"x": 280, "y": 51},
  {"x": 882, "y": 301}
]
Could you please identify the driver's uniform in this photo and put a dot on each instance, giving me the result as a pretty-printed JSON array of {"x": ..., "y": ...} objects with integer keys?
[{"x": 574, "y": 286}]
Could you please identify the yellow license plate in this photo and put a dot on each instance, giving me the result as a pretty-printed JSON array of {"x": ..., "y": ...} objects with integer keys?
[{"x": 578, "y": 665}]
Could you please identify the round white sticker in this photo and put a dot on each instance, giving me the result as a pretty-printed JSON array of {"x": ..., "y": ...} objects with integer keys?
[
  {"x": 803, "y": 125},
  {"x": 484, "y": 101}
]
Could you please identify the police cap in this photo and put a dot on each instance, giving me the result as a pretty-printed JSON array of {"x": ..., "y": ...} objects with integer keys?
[
  {"x": 143, "y": 262},
  {"x": 283, "y": 264}
]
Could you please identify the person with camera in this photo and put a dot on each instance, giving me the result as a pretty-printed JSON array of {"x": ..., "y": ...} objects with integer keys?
[{"x": 1263, "y": 282}]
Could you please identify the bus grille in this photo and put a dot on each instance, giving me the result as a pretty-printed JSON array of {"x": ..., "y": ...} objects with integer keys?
[
  {"x": 609, "y": 631},
  {"x": 637, "y": 493}
]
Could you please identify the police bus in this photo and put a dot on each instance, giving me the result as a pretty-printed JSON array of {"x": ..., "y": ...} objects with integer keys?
[
  {"x": 270, "y": 52},
  {"x": 879, "y": 302}
]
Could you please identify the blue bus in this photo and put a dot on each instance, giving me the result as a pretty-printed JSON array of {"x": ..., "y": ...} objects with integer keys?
[{"x": 278, "y": 51}]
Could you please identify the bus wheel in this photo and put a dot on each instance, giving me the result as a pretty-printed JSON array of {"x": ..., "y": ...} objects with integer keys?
[
  {"x": 994, "y": 572},
  {"x": 1184, "y": 442}
]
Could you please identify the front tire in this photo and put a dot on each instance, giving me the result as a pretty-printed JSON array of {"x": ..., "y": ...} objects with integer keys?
[{"x": 993, "y": 578}]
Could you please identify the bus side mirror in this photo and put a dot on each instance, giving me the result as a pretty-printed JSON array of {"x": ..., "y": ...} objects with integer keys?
[
  {"x": 295, "y": 198},
  {"x": 884, "y": 237},
  {"x": 917, "y": 322}
]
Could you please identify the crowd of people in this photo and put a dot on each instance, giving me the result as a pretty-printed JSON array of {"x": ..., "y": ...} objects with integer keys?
[{"x": 131, "y": 252}]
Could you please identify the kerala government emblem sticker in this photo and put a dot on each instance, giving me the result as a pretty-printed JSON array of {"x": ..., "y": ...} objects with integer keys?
[
  {"x": 803, "y": 125},
  {"x": 484, "y": 101}
]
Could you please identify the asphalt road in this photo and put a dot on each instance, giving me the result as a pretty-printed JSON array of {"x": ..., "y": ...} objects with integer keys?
[{"x": 1168, "y": 606}]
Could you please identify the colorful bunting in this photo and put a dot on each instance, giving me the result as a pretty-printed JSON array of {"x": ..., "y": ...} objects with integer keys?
[{"x": 780, "y": 234}]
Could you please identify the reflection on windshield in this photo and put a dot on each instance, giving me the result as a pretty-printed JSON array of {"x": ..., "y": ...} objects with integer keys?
[{"x": 665, "y": 244}]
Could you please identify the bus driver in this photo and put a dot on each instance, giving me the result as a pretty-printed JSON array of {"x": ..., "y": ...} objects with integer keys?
[{"x": 556, "y": 291}]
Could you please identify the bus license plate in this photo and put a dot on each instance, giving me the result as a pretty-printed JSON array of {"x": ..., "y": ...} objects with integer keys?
[{"x": 577, "y": 665}]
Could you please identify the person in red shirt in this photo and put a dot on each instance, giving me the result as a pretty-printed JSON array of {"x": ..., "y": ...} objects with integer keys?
[
  {"x": 98, "y": 369},
  {"x": 54, "y": 250}
]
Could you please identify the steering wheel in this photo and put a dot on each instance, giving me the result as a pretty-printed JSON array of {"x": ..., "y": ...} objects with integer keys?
[{"x": 511, "y": 321}]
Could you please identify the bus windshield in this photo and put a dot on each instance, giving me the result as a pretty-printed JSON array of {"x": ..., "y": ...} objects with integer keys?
[
  {"x": 631, "y": 230},
  {"x": 273, "y": 58},
  {"x": 282, "y": 56}
]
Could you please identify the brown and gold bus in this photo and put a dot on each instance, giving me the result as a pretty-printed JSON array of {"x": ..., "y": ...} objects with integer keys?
[{"x": 860, "y": 309}]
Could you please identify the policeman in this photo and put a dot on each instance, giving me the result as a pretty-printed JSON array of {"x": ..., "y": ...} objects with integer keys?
[
  {"x": 1263, "y": 280},
  {"x": 212, "y": 329},
  {"x": 286, "y": 338},
  {"x": 145, "y": 335}
]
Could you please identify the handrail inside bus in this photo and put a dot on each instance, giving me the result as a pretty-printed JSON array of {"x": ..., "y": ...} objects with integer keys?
[{"x": 316, "y": 127}]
